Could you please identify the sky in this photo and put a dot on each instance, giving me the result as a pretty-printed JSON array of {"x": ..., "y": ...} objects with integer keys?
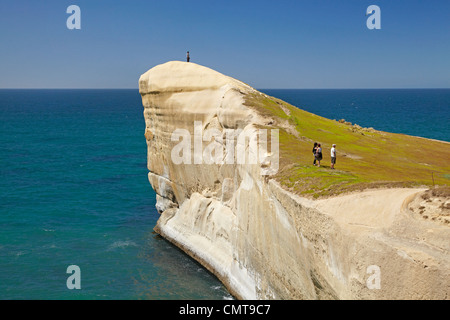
[{"x": 299, "y": 44}]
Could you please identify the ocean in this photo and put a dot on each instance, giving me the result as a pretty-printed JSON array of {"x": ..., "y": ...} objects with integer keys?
[
  {"x": 74, "y": 188},
  {"x": 416, "y": 112},
  {"x": 74, "y": 191}
]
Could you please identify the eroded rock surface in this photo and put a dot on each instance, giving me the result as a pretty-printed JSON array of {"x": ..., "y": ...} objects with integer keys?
[{"x": 262, "y": 241}]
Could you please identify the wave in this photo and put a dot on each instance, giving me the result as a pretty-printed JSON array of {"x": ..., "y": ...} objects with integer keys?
[{"x": 121, "y": 244}]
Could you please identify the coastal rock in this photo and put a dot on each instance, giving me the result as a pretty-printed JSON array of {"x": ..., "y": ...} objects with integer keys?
[{"x": 261, "y": 240}]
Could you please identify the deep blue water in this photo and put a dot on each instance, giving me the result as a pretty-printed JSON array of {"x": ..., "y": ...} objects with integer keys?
[
  {"x": 74, "y": 188},
  {"x": 418, "y": 112}
]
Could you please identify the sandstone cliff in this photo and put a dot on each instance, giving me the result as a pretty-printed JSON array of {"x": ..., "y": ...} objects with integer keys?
[{"x": 258, "y": 230}]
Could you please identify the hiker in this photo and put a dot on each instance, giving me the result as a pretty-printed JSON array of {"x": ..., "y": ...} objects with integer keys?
[
  {"x": 318, "y": 154},
  {"x": 187, "y": 57},
  {"x": 333, "y": 156},
  {"x": 314, "y": 152}
]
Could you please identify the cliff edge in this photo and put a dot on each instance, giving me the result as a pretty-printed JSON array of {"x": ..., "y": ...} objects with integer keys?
[{"x": 237, "y": 191}]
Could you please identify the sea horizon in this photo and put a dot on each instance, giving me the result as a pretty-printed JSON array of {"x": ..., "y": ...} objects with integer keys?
[
  {"x": 408, "y": 121},
  {"x": 419, "y": 88}
]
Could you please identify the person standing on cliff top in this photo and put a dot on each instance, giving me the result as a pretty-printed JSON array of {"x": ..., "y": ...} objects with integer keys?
[
  {"x": 333, "y": 156},
  {"x": 188, "y": 58}
]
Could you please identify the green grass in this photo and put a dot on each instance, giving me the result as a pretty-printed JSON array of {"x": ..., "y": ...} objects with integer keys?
[{"x": 365, "y": 158}]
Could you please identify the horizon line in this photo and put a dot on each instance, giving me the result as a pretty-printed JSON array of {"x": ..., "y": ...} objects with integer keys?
[{"x": 399, "y": 88}]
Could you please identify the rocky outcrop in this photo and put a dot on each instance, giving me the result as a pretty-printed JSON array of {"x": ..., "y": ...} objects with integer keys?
[{"x": 260, "y": 240}]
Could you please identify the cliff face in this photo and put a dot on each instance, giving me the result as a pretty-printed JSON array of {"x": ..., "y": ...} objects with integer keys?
[{"x": 226, "y": 210}]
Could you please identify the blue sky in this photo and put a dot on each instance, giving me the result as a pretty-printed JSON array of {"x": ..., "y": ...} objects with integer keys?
[{"x": 267, "y": 44}]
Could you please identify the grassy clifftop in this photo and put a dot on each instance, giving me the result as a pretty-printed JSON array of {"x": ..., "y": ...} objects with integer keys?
[{"x": 366, "y": 158}]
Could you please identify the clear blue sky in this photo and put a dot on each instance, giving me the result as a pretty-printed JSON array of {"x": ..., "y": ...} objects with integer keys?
[{"x": 267, "y": 44}]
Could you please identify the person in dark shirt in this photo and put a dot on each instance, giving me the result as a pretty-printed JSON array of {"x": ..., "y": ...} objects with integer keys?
[
  {"x": 188, "y": 58},
  {"x": 319, "y": 154},
  {"x": 314, "y": 152}
]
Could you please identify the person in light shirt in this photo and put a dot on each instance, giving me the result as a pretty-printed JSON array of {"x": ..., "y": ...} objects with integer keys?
[{"x": 333, "y": 156}]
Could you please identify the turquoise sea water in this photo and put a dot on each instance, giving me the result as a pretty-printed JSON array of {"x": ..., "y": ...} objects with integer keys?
[
  {"x": 74, "y": 188},
  {"x": 74, "y": 191}
]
